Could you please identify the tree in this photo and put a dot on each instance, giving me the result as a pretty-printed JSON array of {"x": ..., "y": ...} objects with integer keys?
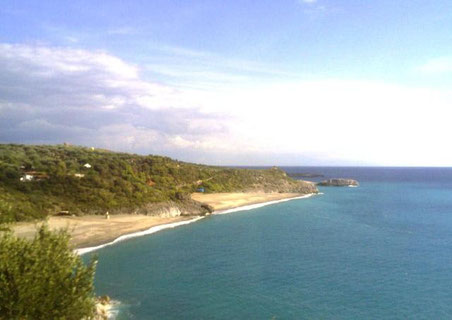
[{"x": 43, "y": 278}]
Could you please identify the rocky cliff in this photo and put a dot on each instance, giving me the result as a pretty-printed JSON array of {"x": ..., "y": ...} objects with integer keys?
[
  {"x": 276, "y": 180},
  {"x": 175, "y": 208}
]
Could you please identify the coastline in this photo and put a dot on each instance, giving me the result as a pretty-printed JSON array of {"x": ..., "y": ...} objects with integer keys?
[
  {"x": 232, "y": 208},
  {"x": 108, "y": 309},
  {"x": 262, "y": 204},
  {"x": 123, "y": 237},
  {"x": 90, "y": 233},
  {"x": 231, "y": 200}
]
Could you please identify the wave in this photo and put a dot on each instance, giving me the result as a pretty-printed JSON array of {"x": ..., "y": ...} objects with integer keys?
[
  {"x": 151, "y": 230},
  {"x": 262, "y": 204}
]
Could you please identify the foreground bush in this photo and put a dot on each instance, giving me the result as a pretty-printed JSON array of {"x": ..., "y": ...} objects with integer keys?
[{"x": 43, "y": 279}]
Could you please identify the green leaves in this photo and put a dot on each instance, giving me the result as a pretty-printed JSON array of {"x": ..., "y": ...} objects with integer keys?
[
  {"x": 43, "y": 279},
  {"x": 115, "y": 182}
]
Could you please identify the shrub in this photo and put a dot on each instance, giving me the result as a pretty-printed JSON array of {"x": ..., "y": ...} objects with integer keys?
[{"x": 43, "y": 279}]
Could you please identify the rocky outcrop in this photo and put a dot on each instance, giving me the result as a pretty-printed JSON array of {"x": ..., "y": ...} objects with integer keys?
[
  {"x": 185, "y": 206},
  {"x": 282, "y": 184},
  {"x": 339, "y": 183},
  {"x": 176, "y": 208},
  {"x": 166, "y": 209},
  {"x": 305, "y": 187},
  {"x": 102, "y": 310}
]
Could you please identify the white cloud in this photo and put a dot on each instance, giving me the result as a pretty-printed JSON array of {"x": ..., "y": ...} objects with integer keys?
[
  {"x": 50, "y": 95},
  {"x": 44, "y": 61},
  {"x": 201, "y": 69},
  {"x": 366, "y": 122},
  {"x": 438, "y": 65},
  {"x": 91, "y": 97},
  {"x": 307, "y": 1}
]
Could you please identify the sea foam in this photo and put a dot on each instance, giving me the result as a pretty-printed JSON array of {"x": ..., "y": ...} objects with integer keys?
[
  {"x": 154, "y": 229},
  {"x": 262, "y": 204},
  {"x": 137, "y": 234}
]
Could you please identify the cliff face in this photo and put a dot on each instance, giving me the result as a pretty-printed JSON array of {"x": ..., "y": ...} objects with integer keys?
[
  {"x": 276, "y": 180},
  {"x": 175, "y": 208},
  {"x": 285, "y": 186},
  {"x": 339, "y": 183},
  {"x": 185, "y": 206},
  {"x": 306, "y": 187}
]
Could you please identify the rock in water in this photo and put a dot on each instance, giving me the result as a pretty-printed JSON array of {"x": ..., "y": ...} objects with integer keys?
[{"x": 339, "y": 183}]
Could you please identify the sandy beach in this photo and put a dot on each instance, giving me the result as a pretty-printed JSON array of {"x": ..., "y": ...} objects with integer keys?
[
  {"x": 89, "y": 231},
  {"x": 223, "y": 201}
]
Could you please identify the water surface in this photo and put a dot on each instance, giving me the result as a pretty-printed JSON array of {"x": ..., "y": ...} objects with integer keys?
[{"x": 383, "y": 250}]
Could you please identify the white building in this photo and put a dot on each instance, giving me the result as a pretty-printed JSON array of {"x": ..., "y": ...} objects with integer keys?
[{"x": 26, "y": 177}]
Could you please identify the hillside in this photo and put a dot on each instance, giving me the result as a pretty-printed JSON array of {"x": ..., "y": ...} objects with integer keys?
[{"x": 36, "y": 181}]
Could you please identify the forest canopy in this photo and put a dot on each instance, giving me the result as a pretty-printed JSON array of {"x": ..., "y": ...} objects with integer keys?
[{"x": 41, "y": 180}]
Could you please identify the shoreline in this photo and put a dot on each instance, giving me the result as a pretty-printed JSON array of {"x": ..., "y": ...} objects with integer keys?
[
  {"x": 231, "y": 200},
  {"x": 90, "y": 233},
  {"x": 126, "y": 236},
  {"x": 262, "y": 204},
  {"x": 157, "y": 228}
]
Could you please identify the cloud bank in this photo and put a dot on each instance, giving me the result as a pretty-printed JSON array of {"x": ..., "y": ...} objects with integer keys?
[
  {"x": 51, "y": 95},
  {"x": 55, "y": 95}
]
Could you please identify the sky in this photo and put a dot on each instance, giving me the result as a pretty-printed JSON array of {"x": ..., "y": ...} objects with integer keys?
[{"x": 288, "y": 82}]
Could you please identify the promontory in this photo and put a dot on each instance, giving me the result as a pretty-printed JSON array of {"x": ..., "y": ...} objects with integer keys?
[{"x": 37, "y": 181}]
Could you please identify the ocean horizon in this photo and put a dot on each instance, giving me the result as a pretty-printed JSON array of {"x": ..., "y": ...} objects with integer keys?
[{"x": 381, "y": 250}]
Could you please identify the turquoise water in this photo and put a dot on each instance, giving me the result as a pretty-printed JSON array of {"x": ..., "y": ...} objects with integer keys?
[{"x": 380, "y": 251}]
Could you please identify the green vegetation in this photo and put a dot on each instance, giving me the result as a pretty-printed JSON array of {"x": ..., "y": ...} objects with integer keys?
[
  {"x": 60, "y": 179},
  {"x": 43, "y": 279}
]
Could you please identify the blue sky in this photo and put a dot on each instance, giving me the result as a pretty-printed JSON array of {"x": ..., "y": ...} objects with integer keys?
[{"x": 232, "y": 82}]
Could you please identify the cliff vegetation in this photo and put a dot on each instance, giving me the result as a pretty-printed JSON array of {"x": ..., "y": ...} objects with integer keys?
[{"x": 41, "y": 180}]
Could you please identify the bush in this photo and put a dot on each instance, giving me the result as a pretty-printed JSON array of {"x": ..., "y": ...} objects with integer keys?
[{"x": 43, "y": 279}]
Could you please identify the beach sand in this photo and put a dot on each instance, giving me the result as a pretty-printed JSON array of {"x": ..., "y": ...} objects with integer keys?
[
  {"x": 90, "y": 231},
  {"x": 223, "y": 201},
  {"x": 87, "y": 231}
]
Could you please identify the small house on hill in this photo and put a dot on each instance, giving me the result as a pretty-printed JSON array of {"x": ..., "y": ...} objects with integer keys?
[
  {"x": 26, "y": 177},
  {"x": 64, "y": 213},
  {"x": 34, "y": 176}
]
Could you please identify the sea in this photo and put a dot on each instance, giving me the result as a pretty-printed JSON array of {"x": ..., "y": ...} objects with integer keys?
[{"x": 382, "y": 250}]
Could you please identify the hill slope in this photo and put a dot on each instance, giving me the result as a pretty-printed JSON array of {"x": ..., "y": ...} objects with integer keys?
[{"x": 36, "y": 181}]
